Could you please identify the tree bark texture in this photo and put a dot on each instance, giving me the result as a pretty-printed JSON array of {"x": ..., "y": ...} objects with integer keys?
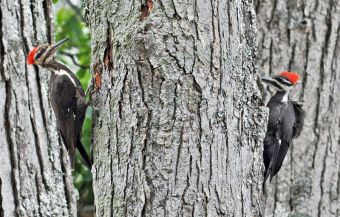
[
  {"x": 178, "y": 128},
  {"x": 304, "y": 36},
  {"x": 35, "y": 179}
]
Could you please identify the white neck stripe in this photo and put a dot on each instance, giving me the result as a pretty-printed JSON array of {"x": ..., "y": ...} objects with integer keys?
[
  {"x": 285, "y": 97},
  {"x": 63, "y": 72}
]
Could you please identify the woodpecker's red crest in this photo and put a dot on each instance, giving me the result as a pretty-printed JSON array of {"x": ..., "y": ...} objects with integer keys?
[
  {"x": 293, "y": 77},
  {"x": 30, "y": 57}
]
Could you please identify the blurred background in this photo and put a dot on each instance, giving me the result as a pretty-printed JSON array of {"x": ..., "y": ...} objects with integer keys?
[{"x": 76, "y": 53}]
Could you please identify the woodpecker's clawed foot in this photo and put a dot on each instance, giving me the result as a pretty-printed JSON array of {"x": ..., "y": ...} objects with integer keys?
[
  {"x": 95, "y": 109},
  {"x": 89, "y": 103},
  {"x": 88, "y": 90}
]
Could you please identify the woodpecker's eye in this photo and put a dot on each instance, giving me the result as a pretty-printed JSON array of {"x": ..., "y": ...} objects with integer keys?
[{"x": 40, "y": 52}]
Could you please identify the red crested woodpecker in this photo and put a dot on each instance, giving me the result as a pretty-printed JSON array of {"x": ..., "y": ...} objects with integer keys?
[
  {"x": 285, "y": 122},
  {"x": 67, "y": 98}
]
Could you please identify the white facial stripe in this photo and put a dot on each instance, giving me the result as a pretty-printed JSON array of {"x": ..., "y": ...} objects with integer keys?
[
  {"x": 276, "y": 84},
  {"x": 283, "y": 81},
  {"x": 280, "y": 86},
  {"x": 46, "y": 56},
  {"x": 63, "y": 72},
  {"x": 48, "y": 59}
]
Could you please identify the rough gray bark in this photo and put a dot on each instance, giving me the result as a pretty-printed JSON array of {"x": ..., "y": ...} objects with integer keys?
[
  {"x": 304, "y": 36},
  {"x": 178, "y": 130},
  {"x": 35, "y": 179}
]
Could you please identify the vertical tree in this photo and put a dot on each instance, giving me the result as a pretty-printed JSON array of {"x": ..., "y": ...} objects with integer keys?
[
  {"x": 178, "y": 129},
  {"x": 34, "y": 176},
  {"x": 304, "y": 36}
]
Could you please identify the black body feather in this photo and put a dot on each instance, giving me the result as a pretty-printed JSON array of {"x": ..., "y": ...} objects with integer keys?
[
  {"x": 285, "y": 123},
  {"x": 69, "y": 104}
]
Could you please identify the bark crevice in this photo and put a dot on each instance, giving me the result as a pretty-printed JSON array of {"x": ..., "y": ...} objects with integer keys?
[
  {"x": 1, "y": 207},
  {"x": 47, "y": 6},
  {"x": 11, "y": 145}
]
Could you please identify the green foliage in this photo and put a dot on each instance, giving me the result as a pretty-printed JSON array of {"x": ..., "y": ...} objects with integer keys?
[{"x": 76, "y": 53}]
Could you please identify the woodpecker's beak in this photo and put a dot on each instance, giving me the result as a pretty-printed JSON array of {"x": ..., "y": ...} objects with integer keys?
[
  {"x": 53, "y": 49},
  {"x": 59, "y": 43}
]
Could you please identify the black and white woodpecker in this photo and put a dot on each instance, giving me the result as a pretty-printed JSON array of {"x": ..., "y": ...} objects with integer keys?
[
  {"x": 285, "y": 122},
  {"x": 67, "y": 98}
]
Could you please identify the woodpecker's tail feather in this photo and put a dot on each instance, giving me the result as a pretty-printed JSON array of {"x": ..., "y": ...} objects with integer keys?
[
  {"x": 267, "y": 173},
  {"x": 279, "y": 154},
  {"x": 84, "y": 154},
  {"x": 271, "y": 167}
]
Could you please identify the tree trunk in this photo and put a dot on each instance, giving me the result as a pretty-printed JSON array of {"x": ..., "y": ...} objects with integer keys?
[
  {"x": 178, "y": 128},
  {"x": 304, "y": 36},
  {"x": 35, "y": 179}
]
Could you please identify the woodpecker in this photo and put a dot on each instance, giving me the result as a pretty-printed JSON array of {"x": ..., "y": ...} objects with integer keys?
[
  {"x": 67, "y": 98},
  {"x": 285, "y": 122}
]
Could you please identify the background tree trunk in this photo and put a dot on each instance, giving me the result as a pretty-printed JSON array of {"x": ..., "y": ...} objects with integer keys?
[
  {"x": 304, "y": 36},
  {"x": 34, "y": 177},
  {"x": 179, "y": 130}
]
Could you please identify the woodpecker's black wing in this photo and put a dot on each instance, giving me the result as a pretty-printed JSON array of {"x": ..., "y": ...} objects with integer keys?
[
  {"x": 289, "y": 126},
  {"x": 80, "y": 116},
  {"x": 300, "y": 118},
  {"x": 64, "y": 104},
  {"x": 72, "y": 87},
  {"x": 81, "y": 101}
]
